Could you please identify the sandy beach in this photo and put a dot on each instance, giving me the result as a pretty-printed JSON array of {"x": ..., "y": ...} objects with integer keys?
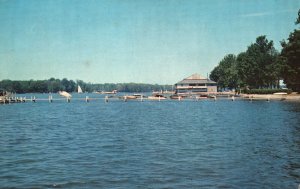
[{"x": 291, "y": 97}]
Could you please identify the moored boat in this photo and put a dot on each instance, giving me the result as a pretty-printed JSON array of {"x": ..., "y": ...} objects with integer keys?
[
  {"x": 177, "y": 97},
  {"x": 128, "y": 97},
  {"x": 157, "y": 97},
  {"x": 65, "y": 94}
]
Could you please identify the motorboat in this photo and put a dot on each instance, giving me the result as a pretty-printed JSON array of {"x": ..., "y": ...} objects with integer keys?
[
  {"x": 128, "y": 97},
  {"x": 65, "y": 94},
  {"x": 177, "y": 97},
  {"x": 157, "y": 97}
]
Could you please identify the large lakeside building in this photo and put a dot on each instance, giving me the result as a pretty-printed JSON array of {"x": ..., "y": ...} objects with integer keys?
[{"x": 195, "y": 84}]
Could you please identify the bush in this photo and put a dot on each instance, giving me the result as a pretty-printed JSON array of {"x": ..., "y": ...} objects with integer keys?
[{"x": 267, "y": 91}]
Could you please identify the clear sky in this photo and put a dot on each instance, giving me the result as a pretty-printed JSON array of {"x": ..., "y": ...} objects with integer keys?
[{"x": 153, "y": 41}]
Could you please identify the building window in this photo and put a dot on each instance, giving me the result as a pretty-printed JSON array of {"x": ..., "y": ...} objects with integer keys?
[{"x": 199, "y": 90}]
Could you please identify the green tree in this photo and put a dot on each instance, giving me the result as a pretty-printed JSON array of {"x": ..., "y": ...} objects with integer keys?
[
  {"x": 256, "y": 65},
  {"x": 291, "y": 56},
  {"x": 225, "y": 74}
]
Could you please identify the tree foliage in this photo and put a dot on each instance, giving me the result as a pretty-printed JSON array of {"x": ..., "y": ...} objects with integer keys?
[
  {"x": 226, "y": 73},
  {"x": 258, "y": 67},
  {"x": 291, "y": 57},
  {"x": 54, "y": 85}
]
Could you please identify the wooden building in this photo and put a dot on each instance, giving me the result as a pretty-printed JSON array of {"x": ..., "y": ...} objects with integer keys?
[{"x": 195, "y": 84}]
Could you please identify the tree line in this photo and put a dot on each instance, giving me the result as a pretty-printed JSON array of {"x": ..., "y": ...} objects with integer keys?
[
  {"x": 54, "y": 85},
  {"x": 261, "y": 66}
]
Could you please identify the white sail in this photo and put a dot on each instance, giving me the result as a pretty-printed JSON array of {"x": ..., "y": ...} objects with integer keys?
[{"x": 79, "y": 89}]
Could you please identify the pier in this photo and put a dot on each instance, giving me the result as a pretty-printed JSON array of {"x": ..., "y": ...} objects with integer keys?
[{"x": 127, "y": 98}]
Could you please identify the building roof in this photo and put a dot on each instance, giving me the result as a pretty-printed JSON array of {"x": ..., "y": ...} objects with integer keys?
[
  {"x": 195, "y": 76},
  {"x": 195, "y": 79}
]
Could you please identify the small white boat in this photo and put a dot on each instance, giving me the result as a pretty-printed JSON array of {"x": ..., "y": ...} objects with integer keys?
[
  {"x": 157, "y": 97},
  {"x": 79, "y": 90},
  {"x": 280, "y": 93},
  {"x": 65, "y": 94},
  {"x": 128, "y": 97},
  {"x": 107, "y": 92}
]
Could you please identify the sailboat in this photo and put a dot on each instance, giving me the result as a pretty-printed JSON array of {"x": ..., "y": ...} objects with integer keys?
[{"x": 79, "y": 89}]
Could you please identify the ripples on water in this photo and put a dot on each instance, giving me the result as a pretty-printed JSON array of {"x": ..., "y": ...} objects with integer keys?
[{"x": 169, "y": 144}]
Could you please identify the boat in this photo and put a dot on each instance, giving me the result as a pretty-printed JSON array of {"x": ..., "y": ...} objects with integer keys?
[
  {"x": 177, "y": 97},
  {"x": 137, "y": 95},
  {"x": 157, "y": 97},
  {"x": 280, "y": 93},
  {"x": 107, "y": 92},
  {"x": 211, "y": 96},
  {"x": 128, "y": 97},
  {"x": 65, "y": 94},
  {"x": 79, "y": 90}
]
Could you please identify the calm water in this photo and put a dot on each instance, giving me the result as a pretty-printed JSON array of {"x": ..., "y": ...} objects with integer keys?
[{"x": 133, "y": 144}]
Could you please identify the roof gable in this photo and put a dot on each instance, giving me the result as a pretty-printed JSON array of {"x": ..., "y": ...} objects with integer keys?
[
  {"x": 195, "y": 76},
  {"x": 196, "y": 79}
]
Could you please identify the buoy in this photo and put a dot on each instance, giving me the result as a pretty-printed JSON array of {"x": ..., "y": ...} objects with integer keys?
[
  {"x": 68, "y": 100},
  {"x": 87, "y": 99},
  {"x": 106, "y": 99}
]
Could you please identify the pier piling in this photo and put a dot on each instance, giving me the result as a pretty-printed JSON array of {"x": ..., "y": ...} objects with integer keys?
[{"x": 50, "y": 99}]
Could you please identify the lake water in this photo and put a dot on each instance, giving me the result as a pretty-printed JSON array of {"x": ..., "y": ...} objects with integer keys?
[{"x": 169, "y": 144}]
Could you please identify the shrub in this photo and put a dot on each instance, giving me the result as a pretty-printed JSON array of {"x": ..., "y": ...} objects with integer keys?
[{"x": 267, "y": 91}]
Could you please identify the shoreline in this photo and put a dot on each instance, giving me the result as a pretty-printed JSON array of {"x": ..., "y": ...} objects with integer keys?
[{"x": 290, "y": 97}]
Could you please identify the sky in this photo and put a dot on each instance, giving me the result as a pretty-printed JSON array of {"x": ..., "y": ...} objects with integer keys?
[{"x": 117, "y": 41}]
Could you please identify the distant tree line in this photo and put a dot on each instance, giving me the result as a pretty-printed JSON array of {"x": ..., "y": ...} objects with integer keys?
[
  {"x": 261, "y": 66},
  {"x": 54, "y": 85}
]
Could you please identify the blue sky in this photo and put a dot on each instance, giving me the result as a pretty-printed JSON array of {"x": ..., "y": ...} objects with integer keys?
[{"x": 154, "y": 41}]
